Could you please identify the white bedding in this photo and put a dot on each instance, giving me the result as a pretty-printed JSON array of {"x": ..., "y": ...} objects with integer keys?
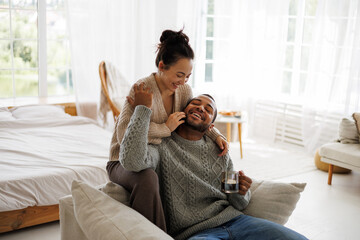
[{"x": 40, "y": 157}]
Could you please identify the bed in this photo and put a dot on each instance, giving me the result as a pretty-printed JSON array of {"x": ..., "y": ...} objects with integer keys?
[{"x": 42, "y": 150}]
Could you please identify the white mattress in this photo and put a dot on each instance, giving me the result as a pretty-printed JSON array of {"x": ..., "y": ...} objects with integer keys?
[{"x": 40, "y": 157}]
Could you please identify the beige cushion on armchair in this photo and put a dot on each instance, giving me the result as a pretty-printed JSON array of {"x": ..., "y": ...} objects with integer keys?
[
  {"x": 348, "y": 131},
  {"x": 96, "y": 215},
  {"x": 356, "y": 117}
]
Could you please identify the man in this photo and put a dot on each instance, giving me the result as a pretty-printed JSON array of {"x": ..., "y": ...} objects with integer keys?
[{"x": 189, "y": 170}]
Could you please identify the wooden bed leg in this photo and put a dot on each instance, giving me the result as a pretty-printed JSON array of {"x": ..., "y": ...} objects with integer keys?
[{"x": 331, "y": 167}]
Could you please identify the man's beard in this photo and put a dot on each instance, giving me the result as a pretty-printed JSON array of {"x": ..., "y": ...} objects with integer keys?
[{"x": 198, "y": 127}]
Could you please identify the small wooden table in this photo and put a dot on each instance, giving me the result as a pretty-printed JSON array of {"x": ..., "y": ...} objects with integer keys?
[{"x": 229, "y": 120}]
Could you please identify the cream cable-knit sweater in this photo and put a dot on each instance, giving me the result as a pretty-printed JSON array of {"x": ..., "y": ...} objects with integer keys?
[
  {"x": 158, "y": 128},
  {"x": 189, "y": 177}
]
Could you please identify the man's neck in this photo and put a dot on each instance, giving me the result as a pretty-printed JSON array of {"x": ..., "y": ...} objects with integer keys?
[{"x": 189, "y": 133}]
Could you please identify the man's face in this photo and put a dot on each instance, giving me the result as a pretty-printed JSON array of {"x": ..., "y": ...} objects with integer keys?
[{"x": 200, "y": 113}]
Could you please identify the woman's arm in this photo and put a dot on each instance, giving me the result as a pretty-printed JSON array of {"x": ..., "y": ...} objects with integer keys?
[
  {"x": 214, "y": 133},
  {"x": 219, "y": 139}
]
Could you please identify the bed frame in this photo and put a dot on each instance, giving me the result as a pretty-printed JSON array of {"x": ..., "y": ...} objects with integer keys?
[{"x": 30, "y": 216}]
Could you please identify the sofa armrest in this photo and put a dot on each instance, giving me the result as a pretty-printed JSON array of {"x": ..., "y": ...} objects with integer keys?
[{"x": 69, "y": 227}]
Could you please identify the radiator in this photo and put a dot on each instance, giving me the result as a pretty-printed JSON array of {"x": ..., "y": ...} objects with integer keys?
[{"x": 282, "y": 122}]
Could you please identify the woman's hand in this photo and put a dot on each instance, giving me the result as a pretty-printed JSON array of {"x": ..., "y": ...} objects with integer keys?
[
  {"x": 174, "y": 120},
  {"x": 223, "y": 145}
]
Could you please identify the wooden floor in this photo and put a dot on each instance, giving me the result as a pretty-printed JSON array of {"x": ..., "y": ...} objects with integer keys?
[
  {"x": 323, "y": 211},
  {"x": 328, "y": 212}
]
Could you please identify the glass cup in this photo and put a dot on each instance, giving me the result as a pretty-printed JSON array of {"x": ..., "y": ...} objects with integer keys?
[{"x": 230, "y": 182}]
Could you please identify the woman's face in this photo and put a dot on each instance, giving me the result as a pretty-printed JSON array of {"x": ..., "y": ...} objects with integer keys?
[{"x": 177, "y": 74}]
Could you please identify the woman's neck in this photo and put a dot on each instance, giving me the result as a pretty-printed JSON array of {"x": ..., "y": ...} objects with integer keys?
[{"x": 163, "y": 90}]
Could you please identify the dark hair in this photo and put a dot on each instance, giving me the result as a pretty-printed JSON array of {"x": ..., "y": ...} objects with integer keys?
[
  {"x": 209, "y": 96},
  {"x": 172, "y": 47}
]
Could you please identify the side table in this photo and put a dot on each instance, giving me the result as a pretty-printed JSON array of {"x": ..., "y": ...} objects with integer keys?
[{"x": 229, "y": 120}]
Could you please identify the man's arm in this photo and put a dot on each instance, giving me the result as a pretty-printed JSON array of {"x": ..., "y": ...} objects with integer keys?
[{"x": 135, "y": 154}]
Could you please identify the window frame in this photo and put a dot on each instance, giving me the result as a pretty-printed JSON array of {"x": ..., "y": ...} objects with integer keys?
[
  {"x": 213, "y": 39},
  {"x": 42, "y": 54}
]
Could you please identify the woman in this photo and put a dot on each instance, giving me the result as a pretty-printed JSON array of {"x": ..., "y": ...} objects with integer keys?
[{"x": 170, "y": 95}]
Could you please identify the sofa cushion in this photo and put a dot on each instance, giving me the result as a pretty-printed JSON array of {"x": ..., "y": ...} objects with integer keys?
[
  {"x": 356, "y": 117},
  {"x": 102, "y": 217},
  {"x": 348, "y": 153},
  {"x": 69, "y": 227},
  {"x": 323, "y": 166},
  {"x": 274, "y": 201},
  {"x": 348, "y": 132},
  {"x": 116, "y": 192}
]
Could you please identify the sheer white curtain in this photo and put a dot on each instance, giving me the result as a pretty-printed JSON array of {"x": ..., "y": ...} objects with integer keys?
[
  {"x": 333, "y": 84},
  {"x": 123, "y": 32},
  {"x": 249, "y": 53},
  {"x": 249, "y": 59}
]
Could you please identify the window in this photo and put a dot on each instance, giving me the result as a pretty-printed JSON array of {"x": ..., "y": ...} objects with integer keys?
[
  {"x": 300, "y": 25},
  {"x": 216, "y": 39},
  {"x": 209, "y": 59},
  {"x": 34, "y": 49},
  {"x": 301, "y": 20}
]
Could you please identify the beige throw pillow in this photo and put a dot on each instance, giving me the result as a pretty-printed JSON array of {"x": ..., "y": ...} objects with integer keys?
[
  {"x": 356, "y": 117},
  {"x": 348, "y": 132},
  {"x": 273, "y": 201},
  {"x": 102, "y": 217}
]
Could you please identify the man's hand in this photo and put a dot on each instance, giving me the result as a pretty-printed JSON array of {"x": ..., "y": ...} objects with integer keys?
[
  {"x": 143, "y": 96},
  {"x": 223, "y": 145},
  {"x": 174, "y": 120},
  {"x": 244, "y": 183}
]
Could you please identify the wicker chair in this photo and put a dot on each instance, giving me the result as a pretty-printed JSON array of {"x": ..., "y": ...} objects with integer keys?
[{"x": 104, "y": 85}]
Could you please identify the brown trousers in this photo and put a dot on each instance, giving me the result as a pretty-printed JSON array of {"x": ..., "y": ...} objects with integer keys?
[{"x": 144, "y": 191}]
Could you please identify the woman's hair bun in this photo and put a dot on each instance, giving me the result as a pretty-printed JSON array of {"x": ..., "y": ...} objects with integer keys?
[
  {"x": 173, "y": 46},
  {"x": 172, "y": 37}
]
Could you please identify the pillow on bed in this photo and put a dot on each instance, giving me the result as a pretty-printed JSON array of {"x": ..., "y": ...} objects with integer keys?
[
  {"x": 101, "y": 217},
  {"x": 274, "y": 201},
  {"x": 39, "y": 111},
  {"x": 5, "y": 114}
]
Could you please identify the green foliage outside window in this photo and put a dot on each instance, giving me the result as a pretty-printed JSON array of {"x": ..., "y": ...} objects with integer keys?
[{"x": 19, "y": 68}]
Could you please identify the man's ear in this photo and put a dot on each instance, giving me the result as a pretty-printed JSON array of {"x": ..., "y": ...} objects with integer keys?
[{"x": 211, "y": 126}]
